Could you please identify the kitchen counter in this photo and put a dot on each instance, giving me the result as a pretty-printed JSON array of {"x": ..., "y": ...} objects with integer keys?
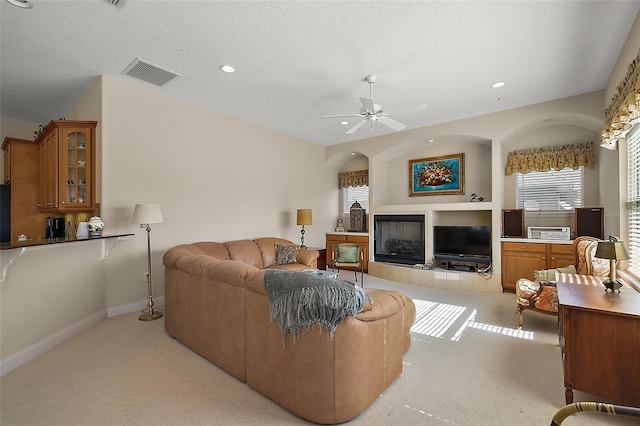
[
  {"x": 35, "y": 242},
  {"x": 348, "y": 233},
  {"x": 534, "y": 240}
]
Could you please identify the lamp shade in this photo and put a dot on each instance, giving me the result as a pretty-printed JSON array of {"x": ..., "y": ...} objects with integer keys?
[
  {"x": 304, "y": 217},
  {"x": 614, "y": 250},
  {"x": 147, "y": 213}
]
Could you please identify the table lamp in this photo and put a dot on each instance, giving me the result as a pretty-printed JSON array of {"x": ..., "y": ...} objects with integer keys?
[
  {"x": 145, "y": 214},
  {"x": 304, "y": 218},
  {"x": 613, "y": 250}
]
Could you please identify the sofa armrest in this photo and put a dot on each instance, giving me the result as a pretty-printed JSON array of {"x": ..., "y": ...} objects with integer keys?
[{"x": 308, "y": 257}]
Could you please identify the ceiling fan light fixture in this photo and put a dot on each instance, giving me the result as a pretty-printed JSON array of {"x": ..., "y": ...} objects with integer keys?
[
  {"x": 227, "y": 68},
  {"x": 498, "y": 84},
  {"x": 24, "y": 4}
]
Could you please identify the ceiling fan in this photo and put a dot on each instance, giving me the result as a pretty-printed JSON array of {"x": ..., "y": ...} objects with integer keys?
[{"x": 371, "y": 112}]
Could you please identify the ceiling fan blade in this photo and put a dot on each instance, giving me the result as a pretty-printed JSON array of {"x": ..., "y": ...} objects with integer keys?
[
  {"x": 356, "y": 127},
  {"x": 341, "y": 115},
  {"x": 391, "y": 123},
  {"x": 368, "y": 104},
  {"x": 415, "y": 108}
]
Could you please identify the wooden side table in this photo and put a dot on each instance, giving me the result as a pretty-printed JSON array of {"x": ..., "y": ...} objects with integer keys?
[{"x": 322, "y": 260}]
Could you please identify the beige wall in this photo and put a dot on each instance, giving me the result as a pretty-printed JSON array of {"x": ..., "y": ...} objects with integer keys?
[
  {"x": 218, "y": 178},
  {"x": 215, "y": 177},
  {"x": 15, "y": 129},
  {"x": 614, "y": 162}
]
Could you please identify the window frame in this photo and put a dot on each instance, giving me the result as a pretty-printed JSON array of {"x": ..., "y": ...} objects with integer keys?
[
  {"x": 575, "y": 176},
  {"x": 346, "y": 203},
  {"x": 632, "y": 199}
]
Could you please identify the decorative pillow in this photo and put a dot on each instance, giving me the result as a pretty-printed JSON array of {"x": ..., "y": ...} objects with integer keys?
[
  {"x": 544, "y": 275},
  {"x": 286, "y": 253},
  {"x": 549, "y": 275},
  {"x": 347, "y": 254},
  {"x": 567, "y": 270}
]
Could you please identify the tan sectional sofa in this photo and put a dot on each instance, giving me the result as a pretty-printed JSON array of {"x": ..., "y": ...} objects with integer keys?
[{"x": 217, "y": 305}]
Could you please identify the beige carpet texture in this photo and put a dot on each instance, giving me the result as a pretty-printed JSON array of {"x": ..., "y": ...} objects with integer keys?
[{"x": 467, "y": 365}]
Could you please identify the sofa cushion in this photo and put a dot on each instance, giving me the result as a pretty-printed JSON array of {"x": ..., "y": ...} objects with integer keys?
[
  {"x": 245, "y": 251},
  {"x": 286, "y": 253}
]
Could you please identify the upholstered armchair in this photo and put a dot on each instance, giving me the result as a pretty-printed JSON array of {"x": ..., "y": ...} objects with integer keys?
[{"x": 541, "y": 294}]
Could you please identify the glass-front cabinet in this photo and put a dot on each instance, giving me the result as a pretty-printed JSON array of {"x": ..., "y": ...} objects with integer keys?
[{"x": 67, "y": 166}]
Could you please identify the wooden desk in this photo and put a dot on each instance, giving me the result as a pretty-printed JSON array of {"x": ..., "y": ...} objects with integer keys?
[{"x": 600, "y": 342}]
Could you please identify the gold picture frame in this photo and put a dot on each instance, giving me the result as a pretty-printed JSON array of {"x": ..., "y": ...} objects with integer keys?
[{"x": 442, "y": 175}]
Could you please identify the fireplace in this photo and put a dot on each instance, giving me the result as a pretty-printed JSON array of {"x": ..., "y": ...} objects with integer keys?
[{"x": 399, "y": 238}]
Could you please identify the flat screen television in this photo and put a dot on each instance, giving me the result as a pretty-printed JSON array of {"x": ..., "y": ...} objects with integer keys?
[{"x": 462, "y": 243}]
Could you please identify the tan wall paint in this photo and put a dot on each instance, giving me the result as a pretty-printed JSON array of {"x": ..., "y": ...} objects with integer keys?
[
  {"x": 216, "y": 178},
  {"x": 198, "y": 193},
  {"x": 613, "y": 162},
  {"x": 15, "y": 129}
]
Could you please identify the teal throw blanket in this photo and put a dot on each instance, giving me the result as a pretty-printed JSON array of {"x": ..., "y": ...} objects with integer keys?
[{"x": 301, "y": 299}]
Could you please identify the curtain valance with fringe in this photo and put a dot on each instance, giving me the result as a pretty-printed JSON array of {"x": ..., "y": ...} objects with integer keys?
[
  {"x": 624, "y": 109},
  {"x": 356, "y": 178},
  {"x": 554, "y": 157}
]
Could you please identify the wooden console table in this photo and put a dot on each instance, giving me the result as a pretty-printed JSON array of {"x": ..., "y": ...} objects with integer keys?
[{"x": 600, "y": 342}]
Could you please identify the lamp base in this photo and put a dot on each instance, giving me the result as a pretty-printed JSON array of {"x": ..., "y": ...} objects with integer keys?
[
  {"x": 150, "y": 316},
  {"x": 612, "y": 285}
]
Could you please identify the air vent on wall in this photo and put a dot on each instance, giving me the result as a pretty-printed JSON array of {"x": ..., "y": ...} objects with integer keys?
[
  {"x": 149, "y": 72},
  {"x": 116, "y": 3}
]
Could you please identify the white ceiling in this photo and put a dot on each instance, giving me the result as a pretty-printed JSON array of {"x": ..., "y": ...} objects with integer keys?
[{"x": 298, "y": 60}]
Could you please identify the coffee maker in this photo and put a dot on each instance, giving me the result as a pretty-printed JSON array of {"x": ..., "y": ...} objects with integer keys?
[{"x": 55, "y": 227}]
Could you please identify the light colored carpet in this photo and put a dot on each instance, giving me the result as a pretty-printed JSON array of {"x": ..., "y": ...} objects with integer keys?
[{"x": 471, "y": 368}]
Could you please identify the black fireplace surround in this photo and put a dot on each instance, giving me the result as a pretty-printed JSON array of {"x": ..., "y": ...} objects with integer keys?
[{"x": 399, "y": 238}]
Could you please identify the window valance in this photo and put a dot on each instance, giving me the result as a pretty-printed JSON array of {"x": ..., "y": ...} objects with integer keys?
[
  {"x": 624, "y": 109},
  {"x": 554, "y": 157},
  {"x": 355, "y": 178}
]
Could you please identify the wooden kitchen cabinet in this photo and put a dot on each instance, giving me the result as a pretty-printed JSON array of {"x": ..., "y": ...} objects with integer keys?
[
  {"x": 66, "y": 158},
  {"x": 21, "y": 174},
  {"x": 520, "y": 259},
  {"x": 361, "y": 239},
  {"x": 561, "y": 255}
]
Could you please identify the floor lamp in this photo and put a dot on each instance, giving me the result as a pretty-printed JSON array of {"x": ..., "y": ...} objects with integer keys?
[{"x": 145, "y": 214}]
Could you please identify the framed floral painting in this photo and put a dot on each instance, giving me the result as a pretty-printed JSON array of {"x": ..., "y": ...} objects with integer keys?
[{"x": 437, "y": 175}]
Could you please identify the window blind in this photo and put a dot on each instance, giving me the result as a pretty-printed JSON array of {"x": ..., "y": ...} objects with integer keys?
[
  {"x": 351, "y": 194},
  {"x": 555, "y": 190},
  {"x": 633, "y": 200}
]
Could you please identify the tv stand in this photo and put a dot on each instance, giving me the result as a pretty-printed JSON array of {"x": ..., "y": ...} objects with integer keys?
[{"x": 462, "y": 265}]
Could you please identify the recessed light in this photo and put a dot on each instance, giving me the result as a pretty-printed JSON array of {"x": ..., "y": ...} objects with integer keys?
[
  {"x": 227, "y": 68},
  {"x": 430, "y": 141},
  {"x": 21, "y": 3},
  {"x": 353, "y": 153},
  {"x": 344, "y": 123},
  {"x": 498, "y": 84}
]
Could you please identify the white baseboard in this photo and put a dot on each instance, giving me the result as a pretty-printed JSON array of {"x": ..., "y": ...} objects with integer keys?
[
  {"x": 158, "y": 304},
  {"x": 22, "y": 357}
]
